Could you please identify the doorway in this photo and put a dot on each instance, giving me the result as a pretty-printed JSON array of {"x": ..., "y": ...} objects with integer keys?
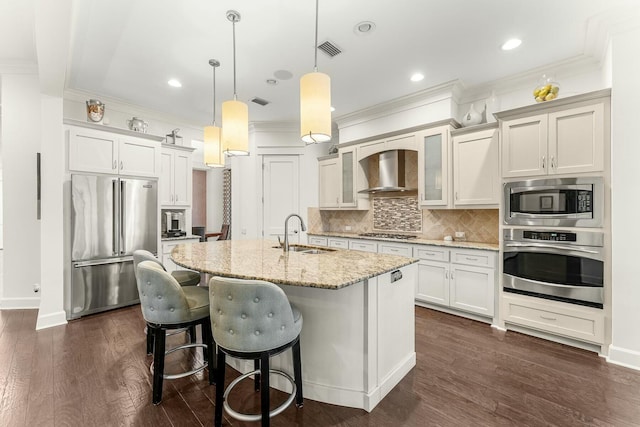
[{"x": 280, "y": 195}]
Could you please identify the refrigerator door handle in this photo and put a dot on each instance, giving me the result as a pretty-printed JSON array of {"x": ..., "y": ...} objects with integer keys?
[
  {"x": 81, "y": 264},
  {"x": 114, "y": 218},
  {"x": 123, "y": 190}
]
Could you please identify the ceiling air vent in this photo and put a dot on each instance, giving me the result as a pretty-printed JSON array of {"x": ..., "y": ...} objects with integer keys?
[
  {"x": 259, "y": 101},
  {"x": 329, "y": 48}
]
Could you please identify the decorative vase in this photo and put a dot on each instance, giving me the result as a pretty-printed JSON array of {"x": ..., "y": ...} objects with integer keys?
[
  {"x": 95, "y": 111},
  {"x": 472, "y": 117}
]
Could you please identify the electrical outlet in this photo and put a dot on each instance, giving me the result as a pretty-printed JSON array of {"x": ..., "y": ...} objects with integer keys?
[
  {"x": 347, "y": 228},
  {"x": 460, "y": 235}
]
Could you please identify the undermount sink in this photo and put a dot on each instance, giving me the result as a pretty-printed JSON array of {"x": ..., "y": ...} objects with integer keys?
[{"x": 306, "y": 249}]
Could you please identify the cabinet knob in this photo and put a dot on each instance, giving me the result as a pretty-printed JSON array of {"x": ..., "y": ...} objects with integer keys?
[{"x": 544, "y": 162}]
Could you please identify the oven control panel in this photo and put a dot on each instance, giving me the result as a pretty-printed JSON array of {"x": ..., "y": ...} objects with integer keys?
[{"x": 555, "y": 236}]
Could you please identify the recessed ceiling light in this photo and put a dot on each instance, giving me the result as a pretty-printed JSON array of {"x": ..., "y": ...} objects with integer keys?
[
  {"x": 511, "y": 44},
  {"x": 417, "y": 77},
  {"x": 364, "y": 27},
  {"x": 174, "y": 83}
]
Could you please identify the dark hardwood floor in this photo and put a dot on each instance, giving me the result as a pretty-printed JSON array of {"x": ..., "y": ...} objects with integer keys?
[{"x": 94, "y": 372}]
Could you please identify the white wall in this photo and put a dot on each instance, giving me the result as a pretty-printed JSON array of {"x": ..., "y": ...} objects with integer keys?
[
  {"x": 20, "y": 94},
  {"x": 625, "y": 346}
]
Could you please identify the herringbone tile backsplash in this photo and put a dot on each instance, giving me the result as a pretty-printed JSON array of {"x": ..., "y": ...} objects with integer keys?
[{"x": 402, "y": 214}]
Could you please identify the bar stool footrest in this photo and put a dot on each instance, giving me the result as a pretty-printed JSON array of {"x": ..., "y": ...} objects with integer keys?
[
  {"x": 257, "y": 417},
  {"x": 182, "y": 374}
]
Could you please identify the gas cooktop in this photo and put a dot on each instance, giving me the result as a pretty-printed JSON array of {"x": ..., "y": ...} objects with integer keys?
[{"x": 388, "y": 236}]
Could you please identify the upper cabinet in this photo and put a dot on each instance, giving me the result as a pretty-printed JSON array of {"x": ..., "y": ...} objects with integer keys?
[
  {"x": 329, "y": 183},
  {"x": 476, "y": 172},
  {"x": 176, "y": 177},
  {"x": 433, "y": 167},
  {"x": 565, "y": 136},
  {"x": 347, "y": 161},
  {"x": 106, "y": 152}
]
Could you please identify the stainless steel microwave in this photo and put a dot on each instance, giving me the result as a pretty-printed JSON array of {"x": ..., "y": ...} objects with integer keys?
[{"x": 557, "y": 202}]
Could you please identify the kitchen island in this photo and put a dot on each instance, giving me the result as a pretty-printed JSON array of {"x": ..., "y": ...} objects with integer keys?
[{"x": 358, "y": 336}]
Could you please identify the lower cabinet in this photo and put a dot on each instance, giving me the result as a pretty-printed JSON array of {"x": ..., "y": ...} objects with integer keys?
[
  {"x": 463, "y": 279},
  {"x": 559, "y": 318},
  {"x": 167, "y": 247},
  {"x": 317, "y": 240}
]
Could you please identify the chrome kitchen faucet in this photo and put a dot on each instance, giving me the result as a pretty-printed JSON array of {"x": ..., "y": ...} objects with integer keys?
[{"x": 285, "y": 246}]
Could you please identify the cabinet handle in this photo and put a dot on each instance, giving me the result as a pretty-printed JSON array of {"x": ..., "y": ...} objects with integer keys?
[
  {"x": 121, "y": 165},
  {"x": 456, "y": 195},
  {"x": 171, "y": 198},
  {"x": 446, "y": 274},
  {"x": 176, "y": 197},
  {"x": 553, "y": 162},
  {"x": 452, "y": 276},
  {"x": 430, "y": 253},
  {"x": 544, "y": 162},
  {"x": 548, "y": 318},
  {"x": 115, "y": 164},
  {"x": 471, "y": 259}
]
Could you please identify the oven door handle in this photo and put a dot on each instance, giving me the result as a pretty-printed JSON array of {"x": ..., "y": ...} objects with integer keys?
[
  {"x": 543, "y": 246},
  {"x": 585, "y": 187}
]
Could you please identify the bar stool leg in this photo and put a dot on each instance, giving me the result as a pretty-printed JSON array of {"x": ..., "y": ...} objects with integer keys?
[
  {"x": 149, "y": 341},
  {"x": 297, "y": 372},
  {"x": 264, "y": 388},
  {"x": 192, "y": 334},
  {"x": 256, "y": 376},
  {"x": 158, "y": 363},
  {"x": 211, "y": 349},
  {"x": 220, "y": 363}
]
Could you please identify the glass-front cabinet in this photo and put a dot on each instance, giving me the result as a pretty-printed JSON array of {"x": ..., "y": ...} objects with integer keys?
[
  {"x": 434, "y": 172},
  {"x": 348, "y": 187}
]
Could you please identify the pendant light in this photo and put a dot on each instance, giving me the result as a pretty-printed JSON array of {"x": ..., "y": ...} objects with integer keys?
[
  {"x": 315, "y": 102},
  {"x": 212, "y": 143},
  {"x": 235, "y": 114}
]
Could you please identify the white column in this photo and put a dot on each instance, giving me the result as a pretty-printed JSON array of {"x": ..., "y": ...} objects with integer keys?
[{"x": 625, "y": 346}]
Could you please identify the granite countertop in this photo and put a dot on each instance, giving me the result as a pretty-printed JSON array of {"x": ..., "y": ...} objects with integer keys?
[
  {"x": 258, "y": 259},
  {"x": 188, "y": 236},
  {"x": 418, "y": 241}
]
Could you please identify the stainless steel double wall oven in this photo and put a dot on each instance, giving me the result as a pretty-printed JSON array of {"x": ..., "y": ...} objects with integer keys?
[{"x": 561, "y": 264}]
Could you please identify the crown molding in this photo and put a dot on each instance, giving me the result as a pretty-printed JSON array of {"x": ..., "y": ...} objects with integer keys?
[
  {"x": 448, "y": 90},
  {"x": 571, "y": 66},
  {"x": 119, "y": 105}
]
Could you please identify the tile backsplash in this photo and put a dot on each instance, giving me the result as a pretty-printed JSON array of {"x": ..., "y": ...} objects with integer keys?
[
  {"x": 397, "y": 214},
  {"x": 479, "y": 225}
]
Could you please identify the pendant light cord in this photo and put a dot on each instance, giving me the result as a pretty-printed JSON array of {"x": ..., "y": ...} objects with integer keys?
[
  {"x": 315, "y": 46},
  {"x": 214, "y": 95},
  {"x": 235, "y": 97}
]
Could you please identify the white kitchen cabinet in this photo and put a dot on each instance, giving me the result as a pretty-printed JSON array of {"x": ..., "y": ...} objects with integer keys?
[
  {"x": 395, "y": 249},
  {"x": 167, "y": 247},
  {"x": 363, "y": 245},
  {"x": 329, "y": 183},
  {"x": 105, "y": 152},
  {"x": 565, "y": 138},
  {"x": 461, "y": 279},
  {"x": 476, "y": 172},
  {"x": 337, "y": 242},
  {"x": 347, "y": 162},
  {"x": 559, "y": 318},
  {"x": 433, "y": 167},
  {"x": 176, "y": 178},
  {"x": 317, "y": 241}
]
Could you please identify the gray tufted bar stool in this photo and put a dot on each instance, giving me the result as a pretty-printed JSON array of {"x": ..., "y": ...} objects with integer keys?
[
  {"x": 254, "y": 320},
  {"x": 167, "y": 306},
  {"x": 184, "y": 277}
]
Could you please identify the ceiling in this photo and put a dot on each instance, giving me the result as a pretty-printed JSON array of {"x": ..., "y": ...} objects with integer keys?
[{"x": 129, "y": 49}]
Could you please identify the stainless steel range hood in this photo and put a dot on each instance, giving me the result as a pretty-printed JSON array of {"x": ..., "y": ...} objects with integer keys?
[{"x": 390, "y": 173}]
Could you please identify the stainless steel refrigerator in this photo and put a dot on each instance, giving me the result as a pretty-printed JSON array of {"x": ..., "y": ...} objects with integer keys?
[{"x": 110, "y": 218}]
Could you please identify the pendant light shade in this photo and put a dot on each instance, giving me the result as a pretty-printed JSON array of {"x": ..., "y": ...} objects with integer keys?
[
  {"x": 315, "y": 101},
  {"x": 315, "y": 107},
  {"x": 212, "y": 148},
  {"x": 212, "y": 143},
  {"x": 235, "y": 128},
  {"x": 235, "y": 114}
]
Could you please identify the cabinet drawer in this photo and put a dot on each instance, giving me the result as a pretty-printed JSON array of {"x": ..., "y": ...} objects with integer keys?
[
  {"x": 395, "y": 249},
  {"x": 338, "y": 243},
  {"x": 431, "y": 253},
  {"x": 583, "y": 323},
  {"x": 479, "y": 258},
  {"x": 359, "y": 245},
  {"x": 318, "y": 241}
]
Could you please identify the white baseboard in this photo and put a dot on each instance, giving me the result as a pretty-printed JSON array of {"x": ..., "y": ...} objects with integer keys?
[
  {"x": 50, "y": 320},
  {"x": 19, "y": 303},
  {"x": 335, "y": 395},
  {"x": 624, "y": 357}
]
